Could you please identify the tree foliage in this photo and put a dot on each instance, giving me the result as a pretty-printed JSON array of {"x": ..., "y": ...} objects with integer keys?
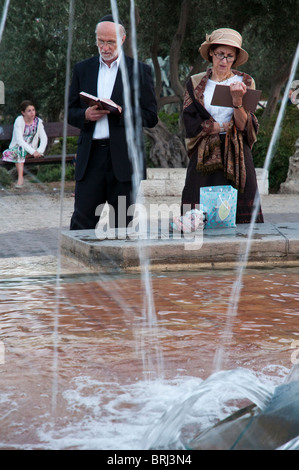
[
  {"x": 34, "y": 45},
  {"x": 33, "y": 50}
]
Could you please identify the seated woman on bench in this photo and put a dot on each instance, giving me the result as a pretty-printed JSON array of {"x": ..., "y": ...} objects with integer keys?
[{"x": 28, "y": 137}]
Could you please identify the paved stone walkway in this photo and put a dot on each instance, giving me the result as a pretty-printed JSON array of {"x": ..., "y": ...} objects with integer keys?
[{"x": 30, "y": 221}]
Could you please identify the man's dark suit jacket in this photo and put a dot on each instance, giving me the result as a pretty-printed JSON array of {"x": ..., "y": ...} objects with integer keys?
[{"x": 85, "y": 76}]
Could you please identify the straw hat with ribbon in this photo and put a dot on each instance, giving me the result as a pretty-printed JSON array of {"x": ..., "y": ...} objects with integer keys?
[{"x": 227, "y": 37}]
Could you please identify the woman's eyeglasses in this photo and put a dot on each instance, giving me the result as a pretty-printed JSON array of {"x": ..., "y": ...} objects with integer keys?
[{"x": 221, "y": 56}]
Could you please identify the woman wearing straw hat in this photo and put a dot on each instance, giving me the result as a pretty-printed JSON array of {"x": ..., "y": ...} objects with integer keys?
[{"x": 219, "y": 139}]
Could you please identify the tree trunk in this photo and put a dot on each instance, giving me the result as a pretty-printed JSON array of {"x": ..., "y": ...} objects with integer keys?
[
  {"x": 175, "y": 51},
  {"x": 167, "y": 149},
  {"x": 174, "y": 58},
  {"x": 279, "y": 80}
]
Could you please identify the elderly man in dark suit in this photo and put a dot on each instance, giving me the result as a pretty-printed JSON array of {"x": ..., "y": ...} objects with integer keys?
[{"x": 103, "y": 166}]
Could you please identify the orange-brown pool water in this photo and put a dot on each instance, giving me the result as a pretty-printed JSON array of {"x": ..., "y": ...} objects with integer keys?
[{"x": 84, "y": 368}]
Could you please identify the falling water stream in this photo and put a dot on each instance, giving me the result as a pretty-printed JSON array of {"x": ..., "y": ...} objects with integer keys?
[
  {"x": 236, "y": 291},
  {"x": 133, "y": 122},
  {"x": 133, "y": 365}
]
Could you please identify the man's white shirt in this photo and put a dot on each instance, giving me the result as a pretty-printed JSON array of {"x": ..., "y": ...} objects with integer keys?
[{"x": 106, "y": 81}]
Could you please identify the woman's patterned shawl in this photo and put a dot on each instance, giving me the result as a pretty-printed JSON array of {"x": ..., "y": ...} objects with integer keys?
[{"x": 198, "y": 123}]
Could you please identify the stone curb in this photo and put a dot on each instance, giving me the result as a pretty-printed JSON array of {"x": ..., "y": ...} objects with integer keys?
[{"x": 271, "y": 244}]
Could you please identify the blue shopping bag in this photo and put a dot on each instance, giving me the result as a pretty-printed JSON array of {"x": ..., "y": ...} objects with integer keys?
[{"x": 220, "y": 205}]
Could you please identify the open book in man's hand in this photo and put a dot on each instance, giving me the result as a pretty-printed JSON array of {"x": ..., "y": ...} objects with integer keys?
[{"x": 102, "y": 103}]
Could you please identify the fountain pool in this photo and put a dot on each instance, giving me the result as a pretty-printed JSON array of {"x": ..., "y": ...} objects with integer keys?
[{"x": 108, "y": 396}]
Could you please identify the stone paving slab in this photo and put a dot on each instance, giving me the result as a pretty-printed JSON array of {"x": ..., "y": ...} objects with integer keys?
[{"x": 291, "y": 232}]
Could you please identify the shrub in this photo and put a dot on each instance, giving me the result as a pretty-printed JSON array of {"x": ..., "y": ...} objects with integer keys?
[
  {"x": 5, "y": 178},
  {"x": 71, "y": 146},
  {"x": 53, "y": 172},
  {"x": 284, "y": 149},
  {"x": 170, "y": 120}
]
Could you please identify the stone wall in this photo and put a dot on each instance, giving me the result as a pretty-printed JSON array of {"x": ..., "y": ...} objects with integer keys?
[{"x": 170, "y": 182}]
